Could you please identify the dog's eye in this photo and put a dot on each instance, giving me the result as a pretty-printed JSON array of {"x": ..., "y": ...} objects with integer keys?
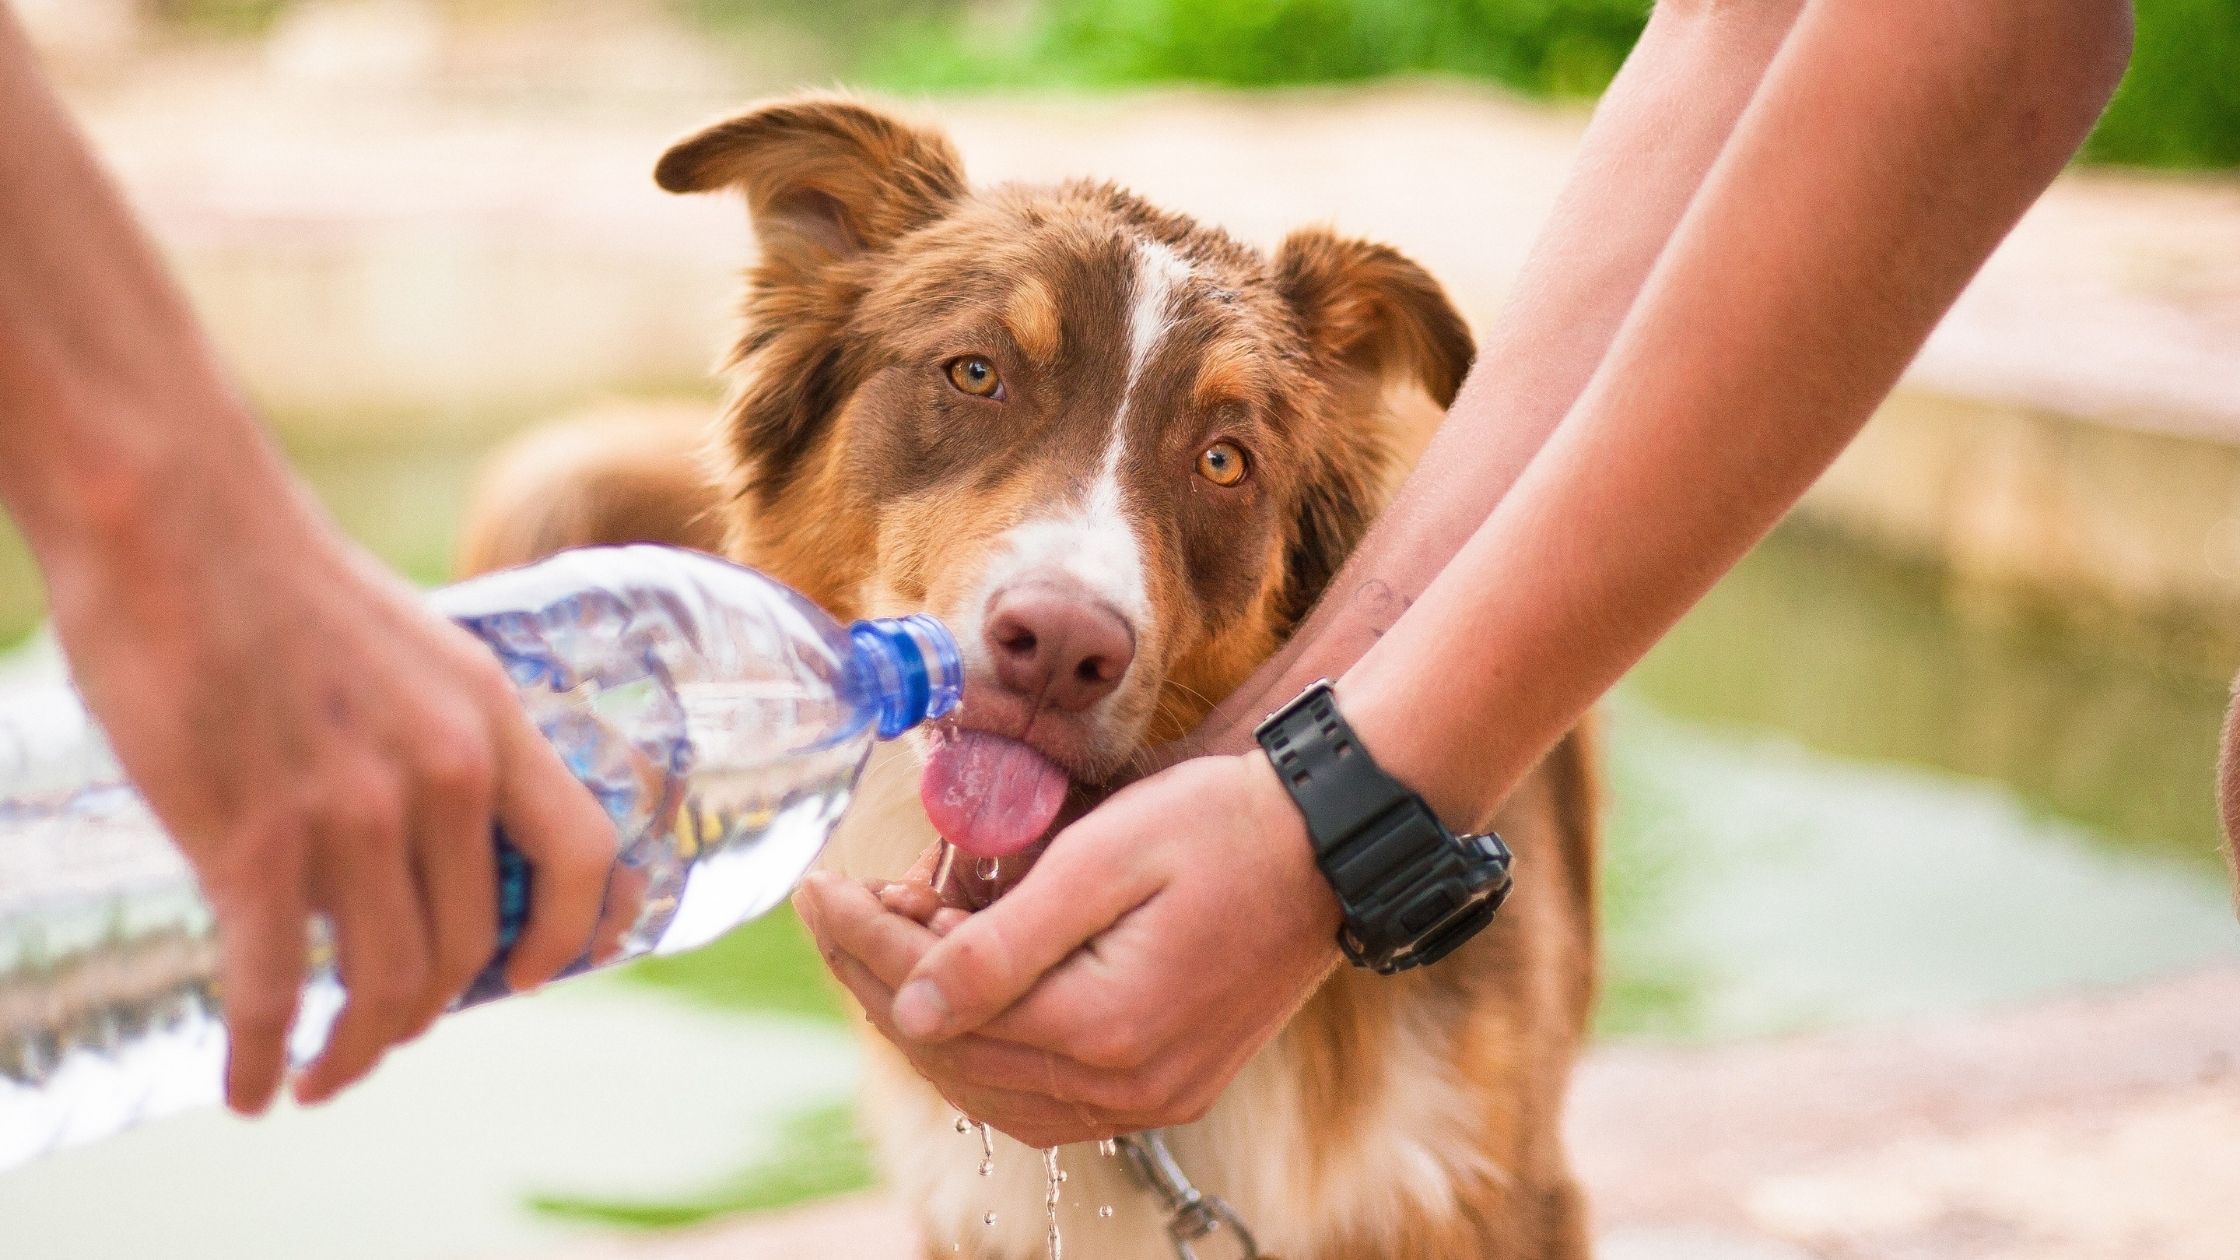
[
  {"x": 976, "y": 376},
  {"x": 1222, "y": 464}
]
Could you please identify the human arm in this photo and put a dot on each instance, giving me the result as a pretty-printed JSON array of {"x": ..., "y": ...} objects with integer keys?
[
  {"x": 313, "y": 738},
  {"x": 1652, "y": 139},
  {"x": 1886, "y": 151}
]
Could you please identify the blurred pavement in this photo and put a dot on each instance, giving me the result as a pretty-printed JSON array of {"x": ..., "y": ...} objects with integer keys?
[{"x": 2101, "y": 1127}]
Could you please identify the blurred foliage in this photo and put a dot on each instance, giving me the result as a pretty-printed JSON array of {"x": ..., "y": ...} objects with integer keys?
[
  {"x": 2180, "y": 103},
  {"x": 819, "y": 1153},
  {"x": 218, "y": 17},
  {"x": 1550, "y": 47}
]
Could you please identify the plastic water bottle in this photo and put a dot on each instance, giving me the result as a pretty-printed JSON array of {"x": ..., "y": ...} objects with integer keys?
[{"x": 721, "y": 719}]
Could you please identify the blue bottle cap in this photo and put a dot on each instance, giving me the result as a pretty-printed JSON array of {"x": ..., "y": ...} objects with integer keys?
[{"x": 913, "y": 667}]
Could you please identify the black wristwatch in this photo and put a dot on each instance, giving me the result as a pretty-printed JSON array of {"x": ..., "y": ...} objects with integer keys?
[{"x": 1412, "y": 891}]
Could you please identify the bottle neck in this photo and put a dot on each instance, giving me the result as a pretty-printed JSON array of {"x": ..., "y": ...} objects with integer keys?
[{"x": 911, "y": 670}]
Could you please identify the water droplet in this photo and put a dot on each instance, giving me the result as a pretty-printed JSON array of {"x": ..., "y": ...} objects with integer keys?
[
  {"x": 987, "y": 1152},
  {"x": 988, "y": 869},
  {"x": 1105, "y": 1211},
  {"x": 987, "y": 1168},
  {"x": 1061, "y": 1176},
  {"x": 963, "y": 1125},
  {"x": 1107, "y": 1147},
  {"x": 987, "y": 1218}
]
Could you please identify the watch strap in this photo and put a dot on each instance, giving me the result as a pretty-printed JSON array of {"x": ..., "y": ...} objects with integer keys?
[{"x": 1340, "y": 789}]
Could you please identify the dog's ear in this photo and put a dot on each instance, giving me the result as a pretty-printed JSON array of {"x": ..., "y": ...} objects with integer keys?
[
  {"x": 1370, "y": 309},
  {"x": 824, "y": 177},
  {"x": 826, "y": 180},
  {"x": 1374, "y": 319}
]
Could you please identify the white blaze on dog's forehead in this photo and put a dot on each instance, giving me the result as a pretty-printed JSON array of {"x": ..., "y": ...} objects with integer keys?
[
  {"x": 1160, "y": 272},
  {"x": 1092, "y": 542}
]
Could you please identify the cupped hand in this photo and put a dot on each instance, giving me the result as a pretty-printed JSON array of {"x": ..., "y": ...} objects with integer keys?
[
  {"x": 1153, "y": 949},
  {"x": 317, "y": 741}
]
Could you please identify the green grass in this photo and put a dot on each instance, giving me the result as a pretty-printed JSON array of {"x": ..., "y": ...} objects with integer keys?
[
  {"x": 768, "y": 965},
  {"x": 819, "y": 1154}
]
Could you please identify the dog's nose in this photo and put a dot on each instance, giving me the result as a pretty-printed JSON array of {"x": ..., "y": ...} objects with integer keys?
[{"x": 1060, "y": 645}]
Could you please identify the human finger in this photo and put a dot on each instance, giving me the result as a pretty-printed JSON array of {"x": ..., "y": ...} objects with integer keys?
[
  {"x": 569, "y": 842},
  {"x": 456, "y": 862},
  {"x": 362, "y": 881},
  {"x": 618, "y": 912},
  {"x": 850, "y": 920},
  {"x": 995, "y": 1082},
  {"x": 989, "y": 962},
  {"x": 261, "y": 950},
  {"x": 914, "y": 900}
]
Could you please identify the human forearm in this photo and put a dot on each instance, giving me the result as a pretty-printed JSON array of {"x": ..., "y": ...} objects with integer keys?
[
  {"x": 1653, "y": 138},
  {"x": 1888, "y": 151},
  {"x": 94, "y": 341}
]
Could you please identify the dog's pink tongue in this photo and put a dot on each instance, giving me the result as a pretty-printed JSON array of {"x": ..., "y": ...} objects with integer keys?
[{"x": 990, "y": 796}]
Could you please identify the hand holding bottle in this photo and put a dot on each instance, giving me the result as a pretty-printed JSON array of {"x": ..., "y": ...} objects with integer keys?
[{"x": 317, "y": 741}]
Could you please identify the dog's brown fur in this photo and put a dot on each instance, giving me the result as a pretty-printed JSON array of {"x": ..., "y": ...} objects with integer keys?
[
  {"x": 627, "y": 475},
  {"x": 1405, "y": 1117}
]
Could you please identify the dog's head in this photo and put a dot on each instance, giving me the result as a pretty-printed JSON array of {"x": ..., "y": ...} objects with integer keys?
[{"x": 1118, "y": 452}]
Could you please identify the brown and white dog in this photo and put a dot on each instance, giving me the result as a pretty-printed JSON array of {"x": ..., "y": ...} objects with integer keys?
[{"x": 1120, "y": 454}]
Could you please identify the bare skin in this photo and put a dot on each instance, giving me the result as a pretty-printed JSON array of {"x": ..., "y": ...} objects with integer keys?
[
  {"x": 1773, "y": 207},
  {"x": 312, "y": 736}
]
